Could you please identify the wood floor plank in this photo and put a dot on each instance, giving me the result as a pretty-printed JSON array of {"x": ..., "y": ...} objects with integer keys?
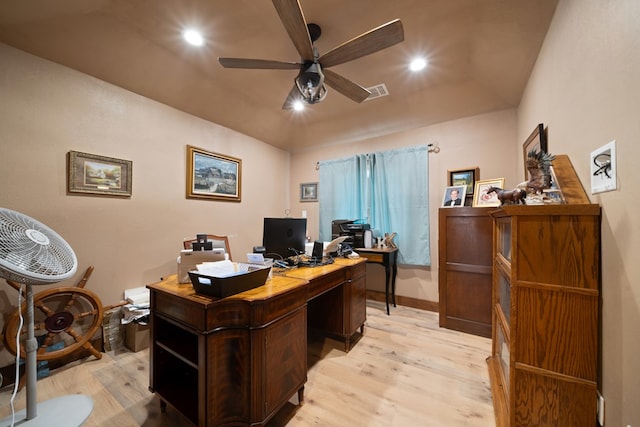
[{"x": 405, "y": 371}]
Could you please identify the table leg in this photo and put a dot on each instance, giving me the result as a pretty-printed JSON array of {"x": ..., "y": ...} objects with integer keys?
[
  {"x": 393, "y": 277},
  {"x": 387, "y": 270}
]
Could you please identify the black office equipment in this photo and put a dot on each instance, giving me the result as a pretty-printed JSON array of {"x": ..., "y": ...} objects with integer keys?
[
  {"x": 221, "y": 287},
  {"x": 202, "y": 244},
  {"x": 284, "y": 237},
  {"x": 354, "y": 230},
  {"x": 316, "y": 254}
]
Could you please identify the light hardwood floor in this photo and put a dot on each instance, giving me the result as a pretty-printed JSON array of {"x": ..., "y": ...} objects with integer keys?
[{"x": 405, "y": 371}]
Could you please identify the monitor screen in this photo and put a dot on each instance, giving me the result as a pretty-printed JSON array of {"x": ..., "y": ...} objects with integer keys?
[{"x": 281, "y": 235}]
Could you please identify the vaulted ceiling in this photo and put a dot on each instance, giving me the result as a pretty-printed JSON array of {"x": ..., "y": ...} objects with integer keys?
[{"x": 480, "y": 55}]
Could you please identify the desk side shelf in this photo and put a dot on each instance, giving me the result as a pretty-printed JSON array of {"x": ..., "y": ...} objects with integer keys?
[{"x": 174, "y": 354}]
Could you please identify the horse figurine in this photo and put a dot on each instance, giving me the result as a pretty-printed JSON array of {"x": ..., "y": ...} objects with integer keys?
[{"x": 515, "y": 196}]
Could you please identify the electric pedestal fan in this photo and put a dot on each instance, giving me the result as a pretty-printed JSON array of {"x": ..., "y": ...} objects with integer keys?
[{"x": 33, "y": 254}]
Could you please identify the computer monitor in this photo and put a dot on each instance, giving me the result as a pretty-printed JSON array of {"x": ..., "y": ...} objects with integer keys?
[{"x": 281, "y": 236}]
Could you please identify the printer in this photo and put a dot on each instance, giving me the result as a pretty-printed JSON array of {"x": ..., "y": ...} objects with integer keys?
[{"x": 358, "y": 234}]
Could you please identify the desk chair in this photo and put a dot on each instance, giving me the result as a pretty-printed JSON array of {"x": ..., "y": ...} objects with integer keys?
[{"x": 218, "y": 242}]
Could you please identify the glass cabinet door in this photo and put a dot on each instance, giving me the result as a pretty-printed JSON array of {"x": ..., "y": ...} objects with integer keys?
[
  {"x": 504, "y": 296},
  {"x": 502, "y": 348},
  {"x": 503, "y": 238}
]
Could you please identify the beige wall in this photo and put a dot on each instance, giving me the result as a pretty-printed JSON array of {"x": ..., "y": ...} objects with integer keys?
[
  {"x": 47, "y": 110},
  {"x": 485, "y": 141},
  {"x": 586, "y": 88}
]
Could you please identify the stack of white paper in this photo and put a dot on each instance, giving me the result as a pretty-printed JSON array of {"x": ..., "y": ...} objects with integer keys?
[
  {"x": 217, "y": 268},
  {"x": 138, "y": 296}
]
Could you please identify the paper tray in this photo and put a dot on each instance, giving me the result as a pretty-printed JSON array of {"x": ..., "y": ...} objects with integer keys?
[{"x": 221, "y": 287}]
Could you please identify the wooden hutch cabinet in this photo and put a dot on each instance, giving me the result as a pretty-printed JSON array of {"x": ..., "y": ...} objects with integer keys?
[{"x": 546, "y": 273}]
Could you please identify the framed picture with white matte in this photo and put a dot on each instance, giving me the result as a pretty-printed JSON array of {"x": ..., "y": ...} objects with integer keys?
[{"x": 485, "y": 195}]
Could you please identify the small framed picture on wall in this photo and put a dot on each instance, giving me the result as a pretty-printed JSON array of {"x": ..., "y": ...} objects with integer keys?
[{"x": 309, "y": 192}]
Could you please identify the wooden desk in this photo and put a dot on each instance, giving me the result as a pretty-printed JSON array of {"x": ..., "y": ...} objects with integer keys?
[
  {"x": 238, "y": 360},
  {"x": 389, "y": 258}
]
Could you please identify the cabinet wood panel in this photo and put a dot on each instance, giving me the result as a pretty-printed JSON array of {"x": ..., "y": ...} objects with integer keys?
[{"x": 465, "y": 267}]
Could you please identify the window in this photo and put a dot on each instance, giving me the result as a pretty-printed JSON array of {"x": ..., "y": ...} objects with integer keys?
[{"x": 388, "y": 190}]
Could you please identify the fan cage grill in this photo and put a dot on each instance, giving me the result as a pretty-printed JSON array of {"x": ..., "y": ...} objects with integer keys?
[{"x": 33, "y": 261}]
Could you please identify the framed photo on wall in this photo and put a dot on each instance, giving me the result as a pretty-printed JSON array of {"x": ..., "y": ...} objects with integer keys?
[
  {"x": 466, "y": 177},
  {"x": 454, "y": 196},
  {"x": 536, "y": 141},
  {"x": 213, "y": 176},
  {"x": 309, "y": 192},
  {"x": 481, "y": 197},
  {"x": 101, "y": 175}
]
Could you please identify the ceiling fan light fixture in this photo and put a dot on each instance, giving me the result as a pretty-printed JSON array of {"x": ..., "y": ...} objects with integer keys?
[
  {"x": 310, "y": 84},
  {"x": 193, "y": 37},
  {"x": 418, "y": 64}
]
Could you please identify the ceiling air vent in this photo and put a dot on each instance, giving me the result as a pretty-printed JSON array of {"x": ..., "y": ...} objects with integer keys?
[{"x": 377, "y": 91}]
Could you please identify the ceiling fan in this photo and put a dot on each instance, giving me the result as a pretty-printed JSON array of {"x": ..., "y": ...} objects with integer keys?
[{"x": 310, "y": 82}]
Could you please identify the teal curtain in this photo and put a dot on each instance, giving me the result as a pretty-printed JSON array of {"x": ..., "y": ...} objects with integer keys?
[
  {"x": 388, "y": 190},
  {"x": 341, "y": 192}
]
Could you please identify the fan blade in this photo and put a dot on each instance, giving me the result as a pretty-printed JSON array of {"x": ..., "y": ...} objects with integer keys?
[
  {"x": 264, "y": 64},
  {"x": 365, "y": 44},
  {"x": 294, "y": 95},
  {"x": 346, "y": 87},
  {"x": 293, "y": 20}
]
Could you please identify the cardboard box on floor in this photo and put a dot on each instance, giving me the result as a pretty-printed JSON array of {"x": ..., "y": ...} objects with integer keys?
[{"x": 136, "y": 336}]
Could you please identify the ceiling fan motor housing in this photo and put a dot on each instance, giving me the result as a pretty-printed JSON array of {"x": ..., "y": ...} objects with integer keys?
[{"x": 310, "y": 83}]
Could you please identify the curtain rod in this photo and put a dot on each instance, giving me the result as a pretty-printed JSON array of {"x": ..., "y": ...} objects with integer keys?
[{"x": 432, "y": 148}]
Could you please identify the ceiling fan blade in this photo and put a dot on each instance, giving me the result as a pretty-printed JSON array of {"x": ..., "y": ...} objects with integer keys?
[
  {"x": 372, "y": 41},
  {"x": 346, "y": 87},
  {"x": 265, "y": 64},
  {"x": 293, "y": 20}
]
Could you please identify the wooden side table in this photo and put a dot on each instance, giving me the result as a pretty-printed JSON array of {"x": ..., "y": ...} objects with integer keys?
[{"x": 389, "y": 258}]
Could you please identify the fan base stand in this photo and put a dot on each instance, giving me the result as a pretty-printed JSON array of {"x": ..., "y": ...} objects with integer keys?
[{"x": 70, "y": 410}]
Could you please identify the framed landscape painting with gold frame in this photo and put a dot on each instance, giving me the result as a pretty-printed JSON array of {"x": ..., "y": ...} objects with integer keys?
[
  {"x": 98, "y": 175},
  {"x": 213, "y": 176}
]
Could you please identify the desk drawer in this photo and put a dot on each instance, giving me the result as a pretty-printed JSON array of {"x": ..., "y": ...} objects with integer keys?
[
  {"x": 190, "y": 314},
  {"x": 326, "y": 282},
  {"x": 379, "y": 258}
]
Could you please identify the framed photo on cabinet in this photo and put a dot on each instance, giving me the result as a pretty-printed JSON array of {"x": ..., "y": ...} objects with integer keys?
[
  {"x": 482, "y": 198},
  {"x": 536, "y": 141},
  {"x": 466, "y": 177},
  {"x": 454, "y": 196}
]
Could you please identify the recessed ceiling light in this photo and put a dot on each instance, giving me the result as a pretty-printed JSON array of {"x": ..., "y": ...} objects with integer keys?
[
  {"x": 193, "y": 37},
  {"x": 418, "y": 64}
]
